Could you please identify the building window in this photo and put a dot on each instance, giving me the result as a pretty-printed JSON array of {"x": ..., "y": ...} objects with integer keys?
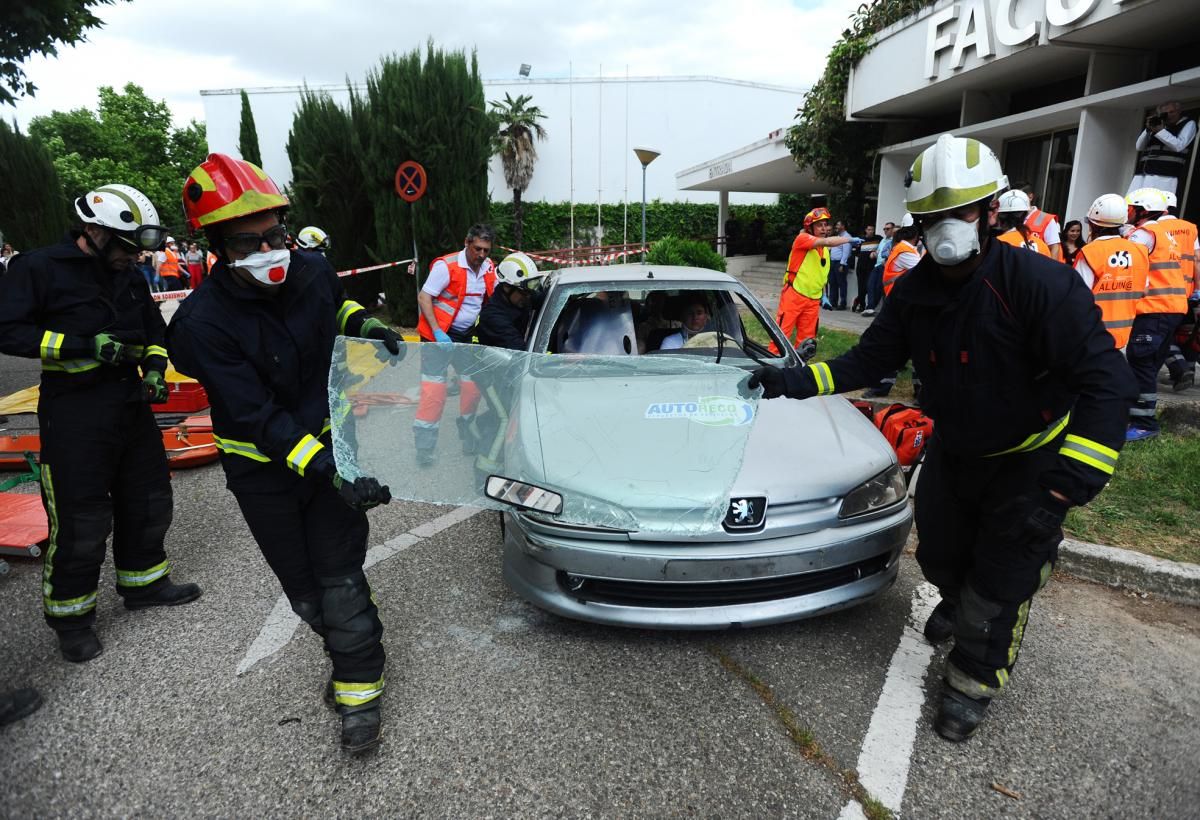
[{"x": 1045, "y": 162}]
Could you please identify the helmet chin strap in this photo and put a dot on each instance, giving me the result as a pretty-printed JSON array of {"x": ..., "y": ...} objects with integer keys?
[{"x": 101, "y": 252}]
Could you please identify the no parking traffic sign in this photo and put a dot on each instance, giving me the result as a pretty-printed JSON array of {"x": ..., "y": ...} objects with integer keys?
[{"x": 410, "y": 181}]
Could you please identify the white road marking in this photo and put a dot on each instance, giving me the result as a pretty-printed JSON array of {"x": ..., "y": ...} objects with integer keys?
[
  {"x": 282, "y": 622},
  {"x": 887, "y": 748}
]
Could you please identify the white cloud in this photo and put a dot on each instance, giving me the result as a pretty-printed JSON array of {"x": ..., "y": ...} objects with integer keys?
[{"x": 234, "y": 44}]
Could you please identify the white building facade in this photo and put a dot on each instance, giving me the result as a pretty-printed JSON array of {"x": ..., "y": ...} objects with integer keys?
[{"x": 1059, "y": 89}]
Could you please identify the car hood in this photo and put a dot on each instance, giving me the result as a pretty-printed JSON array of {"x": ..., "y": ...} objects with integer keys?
[
  {"x": 625, "y": 454},
  {"x": 808, "y": 450}
]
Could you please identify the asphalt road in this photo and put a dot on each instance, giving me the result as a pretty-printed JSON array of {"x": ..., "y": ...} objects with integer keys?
[{"x": 496, "y": 709}]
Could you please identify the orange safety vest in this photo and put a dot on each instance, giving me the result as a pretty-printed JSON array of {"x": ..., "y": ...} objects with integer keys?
[
  {"x": 807, "y": 271},
  {"x": 890, "y": 272},
  {"x": 170, "y": 265},
  {"x": 449, "y": 302},
  {"x": 1184, "y": 234},
  {"x": 1013, "y": 237},
  {"x": 1120, "y": 267},
  {"x": 1038, "y": 221},
  {"x": 1165, "y": 292},
  {"x": 210, "y": 261}
]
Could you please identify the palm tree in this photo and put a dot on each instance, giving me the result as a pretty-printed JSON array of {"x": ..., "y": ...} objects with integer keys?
[{"x": 516, "y": 128}]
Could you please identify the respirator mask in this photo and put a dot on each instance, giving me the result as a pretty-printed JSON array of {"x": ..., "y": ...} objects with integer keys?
[{"x": 951, "y": 241}]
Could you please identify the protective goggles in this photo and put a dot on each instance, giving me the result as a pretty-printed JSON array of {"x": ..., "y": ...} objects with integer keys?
[
  {"x": 141, "y": 238},
  {"x": 247, "y": 243}
]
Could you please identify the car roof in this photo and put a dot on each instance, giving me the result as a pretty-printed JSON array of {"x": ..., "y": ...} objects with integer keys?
[{"x": 640, "y": 273}]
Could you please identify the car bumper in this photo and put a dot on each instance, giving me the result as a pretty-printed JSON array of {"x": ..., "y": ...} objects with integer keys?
[{"x": 708, "y": 585}]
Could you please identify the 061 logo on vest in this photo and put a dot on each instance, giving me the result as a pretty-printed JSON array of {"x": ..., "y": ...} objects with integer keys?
[{"x": 1120, "y": 259}]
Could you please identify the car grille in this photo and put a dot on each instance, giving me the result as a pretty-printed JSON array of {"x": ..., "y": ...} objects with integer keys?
[{"x": 717, "y": 593}]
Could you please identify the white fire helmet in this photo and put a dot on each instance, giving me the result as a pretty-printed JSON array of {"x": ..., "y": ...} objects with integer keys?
[
  {"x": 1148, "y": 199},
  {"x": 517, "y": 269},
  {"x": 1014, "y": 202},
  {"x": 953, "y": 172},
  {"x": 1108, "y": 211}
]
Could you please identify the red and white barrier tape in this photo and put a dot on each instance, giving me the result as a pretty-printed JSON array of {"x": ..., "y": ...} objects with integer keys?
[
  {"x": 172, "y": 295},
  {"x": 588, "y": 260}
]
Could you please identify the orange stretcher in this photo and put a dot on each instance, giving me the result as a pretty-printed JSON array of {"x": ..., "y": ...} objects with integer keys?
[
  {"x": 23, "y": 527},
  {"x": 188, "y": 444}
]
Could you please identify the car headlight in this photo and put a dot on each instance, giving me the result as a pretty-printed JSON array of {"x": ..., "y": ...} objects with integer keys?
[
  {"x": 883, "y": 490},
  {"x": 525, "y": 496}
]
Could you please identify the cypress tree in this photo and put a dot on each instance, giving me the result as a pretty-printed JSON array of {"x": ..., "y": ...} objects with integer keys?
[
  {"x": 431, "y": 110},
  {"x": 248, "y": 134},
  {"x": 328, "y": 189},
  {"x": 33, "y": 210}
]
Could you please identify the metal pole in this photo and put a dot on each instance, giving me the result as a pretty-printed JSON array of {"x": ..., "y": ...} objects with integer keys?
[{"x": 643, "y": 214}]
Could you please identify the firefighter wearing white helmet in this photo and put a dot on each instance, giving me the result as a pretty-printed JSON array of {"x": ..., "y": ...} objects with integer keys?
[
  {"x": 1030, "y": 400},
  {"x": 312, "y": 238},
  {"x": 504, "y": 319},
  {"x": 1010, "y": 218},
  {"x": 85, "y": 311},
  {"x": 1161, "y": 309}
]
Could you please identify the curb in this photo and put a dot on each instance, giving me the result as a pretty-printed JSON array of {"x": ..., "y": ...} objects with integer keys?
[{"x": 1172, "y": 580}]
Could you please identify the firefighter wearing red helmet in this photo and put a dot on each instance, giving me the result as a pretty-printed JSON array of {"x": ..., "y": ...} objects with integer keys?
[
  {"x": 804, "y": 280},
  {"x": 84, "y": 309},
  {"x": 260, "y": 337}
]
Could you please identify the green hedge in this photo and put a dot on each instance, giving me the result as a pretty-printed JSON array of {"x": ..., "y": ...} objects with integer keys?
[{"x": 547, "y": 224}]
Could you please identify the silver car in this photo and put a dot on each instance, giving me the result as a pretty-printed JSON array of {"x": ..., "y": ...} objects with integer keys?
[{"x": 817, "y": 516}]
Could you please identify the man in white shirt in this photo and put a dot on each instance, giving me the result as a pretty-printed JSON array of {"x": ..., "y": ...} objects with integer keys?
[
  {"x": 1163, "y": 149},
  {"x": 449, "y": 303}
]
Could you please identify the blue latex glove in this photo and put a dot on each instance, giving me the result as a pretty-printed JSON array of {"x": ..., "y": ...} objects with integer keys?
[
  {"x": 855, "y": 241},
  {"x": 442, "y": 337}
]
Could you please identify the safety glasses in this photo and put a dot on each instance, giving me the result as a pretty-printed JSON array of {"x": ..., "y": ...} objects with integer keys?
[
  {"x": 248, "y": 243},
  {"x": 142, "y": 238}
]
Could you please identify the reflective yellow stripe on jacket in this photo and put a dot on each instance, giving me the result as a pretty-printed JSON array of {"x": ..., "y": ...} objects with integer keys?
[
  {"x": 1091, "y": 453},
  {"x": 239, "y": 448},
  {"x": 347, "y": 310},
  {"x": 1038, "y": 439},
  {"x": 303, "y": 453},
  {"x": 823, "y": 377},
  {"x": 51, "y": 347},
  {"x": 69, "y": 365}
]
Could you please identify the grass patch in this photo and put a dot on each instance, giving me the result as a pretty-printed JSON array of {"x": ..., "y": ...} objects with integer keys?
[
  {"x": 803, "y": 739},
  {"x": 1151, "y": 503}
]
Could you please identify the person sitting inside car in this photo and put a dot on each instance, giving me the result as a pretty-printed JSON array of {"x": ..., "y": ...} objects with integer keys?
[{"x": 696, "y": 319}]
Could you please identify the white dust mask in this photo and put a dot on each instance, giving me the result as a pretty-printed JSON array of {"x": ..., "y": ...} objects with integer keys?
[{"x": 268, "y": 267}]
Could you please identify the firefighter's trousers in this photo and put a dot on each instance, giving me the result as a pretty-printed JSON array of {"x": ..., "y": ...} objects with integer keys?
[
  {"x": 1149, "y": 345},
  {"x": 103, "y": 470},
  {"x": 315, "y": 544},
  {"x": 973, "y": 546},
  {"x": 435, "y": 365}
]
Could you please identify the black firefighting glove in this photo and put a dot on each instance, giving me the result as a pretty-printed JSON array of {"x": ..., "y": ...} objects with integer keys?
[
  {"x": 770, "y": 379},
  {"x": 362, "y": 493},
  {"x": 154, "y": 387},
  {"x": 111, "y": 350},
  {"x": 1033, "y": 518},
  {"x": 374, "y": 329}
]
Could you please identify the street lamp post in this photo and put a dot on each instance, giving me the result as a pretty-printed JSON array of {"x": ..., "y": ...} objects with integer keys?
[{"x": 645, "y": 156}]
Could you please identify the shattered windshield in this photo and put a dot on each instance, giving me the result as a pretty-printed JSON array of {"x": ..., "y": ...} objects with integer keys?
[{"x": 633, "y": 443}]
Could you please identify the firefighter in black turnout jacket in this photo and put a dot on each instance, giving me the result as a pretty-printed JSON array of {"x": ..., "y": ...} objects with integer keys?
[
  {"x": 86, "y": 311},
  {"x": 1030, "y": 401},
  {"x": 259, "y": 336}
]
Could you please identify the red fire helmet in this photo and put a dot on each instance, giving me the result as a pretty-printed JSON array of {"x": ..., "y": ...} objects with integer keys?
[{"x": 223, "y": 188}]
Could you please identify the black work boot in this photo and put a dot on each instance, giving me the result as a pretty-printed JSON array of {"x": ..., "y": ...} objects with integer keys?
[
  {"x": 167, "y": 594},
  {"x": 959, "y": 715},
  {"x": 425, "y": 458},
  {"x": 465, "y": 436},
  {"x": 1186, "y": 380},
  {"x": 17, "y": 704},
  {"x": 940, "y": 626},
  {"x": 362, "y": 730},
  {"x": 79, "y": 645}
]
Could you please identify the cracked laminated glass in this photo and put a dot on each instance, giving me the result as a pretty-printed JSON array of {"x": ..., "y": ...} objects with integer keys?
[{"x": 629, "y": 442}]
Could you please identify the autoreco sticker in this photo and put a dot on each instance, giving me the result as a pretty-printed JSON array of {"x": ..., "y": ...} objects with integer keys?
[{"x": 712, "y": 411}]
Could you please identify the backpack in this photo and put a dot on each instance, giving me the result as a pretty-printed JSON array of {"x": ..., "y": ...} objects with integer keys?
[{"x": 907, "y": 429}]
